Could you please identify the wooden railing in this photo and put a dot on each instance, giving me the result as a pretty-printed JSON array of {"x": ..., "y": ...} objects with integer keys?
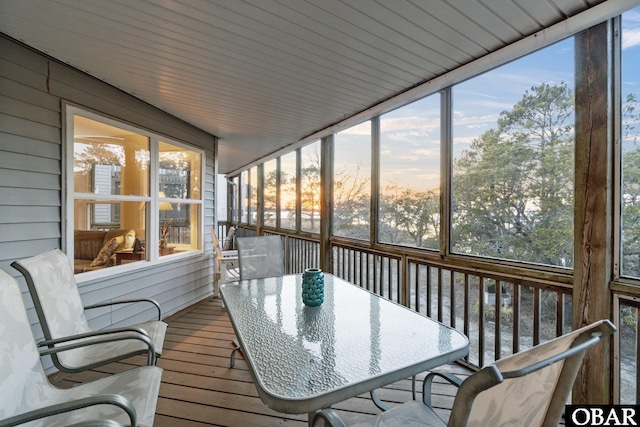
[
  {"x": 529, "y": 312},
  {"x": 516, "y": 312},
  {"x": 500, "y": 315},
  {"x": 626, "y": 308},
  {"x": 375, "y": 271}
]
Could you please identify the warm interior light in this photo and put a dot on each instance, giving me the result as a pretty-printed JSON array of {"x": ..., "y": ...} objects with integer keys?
[{"x": 164, "y": 206}]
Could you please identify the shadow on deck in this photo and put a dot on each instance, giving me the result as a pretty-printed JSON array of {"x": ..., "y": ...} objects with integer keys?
[{"x": 199, "y": 389}]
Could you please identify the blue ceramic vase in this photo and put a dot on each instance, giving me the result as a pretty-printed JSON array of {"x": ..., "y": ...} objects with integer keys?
[{"x": 312, "y": 287}]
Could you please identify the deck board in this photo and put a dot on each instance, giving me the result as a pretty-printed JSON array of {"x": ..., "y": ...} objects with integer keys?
[{"x": 199, "y": 389}]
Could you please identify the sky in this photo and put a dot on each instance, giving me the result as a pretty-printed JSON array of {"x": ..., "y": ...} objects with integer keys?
[
  {"x": 630, "y": 53},
  {"x": 410, "y": 135}
]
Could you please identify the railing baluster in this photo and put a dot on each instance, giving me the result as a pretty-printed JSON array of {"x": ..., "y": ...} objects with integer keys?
[
  {"x": 428, "y": 302},
  {"x": 416, "y": 286},
  {"x": 370, "y": 273},
  {"x": 516, "y": 317},
  {"x": 497, "y": 347},
  {"x": 452, "y": 299},
  {"x": 440, "y": 295},
  {"x": 536, "y": 316},
  {"x": 481, "y": 321},
  {"x": 559, "y": 313},
  {"x": 401, "y": 278},
  {"x": 467, "y": 292},
  {"x": 389, "y": 277}
]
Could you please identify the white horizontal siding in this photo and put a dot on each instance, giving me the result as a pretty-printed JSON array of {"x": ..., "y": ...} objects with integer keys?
[{"x": 33, "y": 89}]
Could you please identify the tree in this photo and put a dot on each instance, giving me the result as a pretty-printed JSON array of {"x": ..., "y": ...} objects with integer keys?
[
  {"x": 310, "y": 191},
  {"x": 630, "y": 188},
  {"x": 390, "y": 217},
  {"x": 351, "y": 198},
  {"x": 409, "y": 216},
  {"x": 270, "y": 197},
  {"x": 288, "y": 204},
  {"x": 513, "y": 187}
]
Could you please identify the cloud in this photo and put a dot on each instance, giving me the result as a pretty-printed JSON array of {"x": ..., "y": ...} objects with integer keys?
[
  {"x": 390, "y": 151},
  {"x": 630, "y": 38},
  {"x": 630, "y": 28},
  {"x": 463, "y": 140},
  {"x": 390, "y": 124},
  {"x": 413, "y": 155},
  {"x": 361, "y": 129},
  {"x": 461, "y": 119}
]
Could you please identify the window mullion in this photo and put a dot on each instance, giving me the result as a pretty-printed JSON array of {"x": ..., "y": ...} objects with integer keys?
[
  {"x": 153, "y": 212},
  {"x": 446, "y": 167}
]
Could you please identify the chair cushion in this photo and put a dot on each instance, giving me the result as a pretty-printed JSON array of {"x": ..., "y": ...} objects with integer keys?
[
  {"x": 410, "y": 414},
  {"x": 129, "y": 241},
  {"x": 107, "y": 250}
]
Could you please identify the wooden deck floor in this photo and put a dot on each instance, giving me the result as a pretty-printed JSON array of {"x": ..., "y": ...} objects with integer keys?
[{"x": 199, "y": 389}]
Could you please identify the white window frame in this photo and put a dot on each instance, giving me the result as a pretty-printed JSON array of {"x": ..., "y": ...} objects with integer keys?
[{"x": 153, "y": 220}]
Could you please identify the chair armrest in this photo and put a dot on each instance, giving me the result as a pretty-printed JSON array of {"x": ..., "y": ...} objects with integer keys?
[
  {"x": 99, "y": 337},
  {"x": 133, "y": 329},
  {"x": 97, "y": 423},
  {"x": 330, "y": 418},
  {"x": 428, "y": 381},
  {"x": 127, "y": 301},
  {"x": 107, "y": 399}
]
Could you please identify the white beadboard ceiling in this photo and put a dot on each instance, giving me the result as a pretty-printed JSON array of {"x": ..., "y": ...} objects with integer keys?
[{"x": 265, "y": 74}]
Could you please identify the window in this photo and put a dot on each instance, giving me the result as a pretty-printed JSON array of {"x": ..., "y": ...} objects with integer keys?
[
  {"x": 409, "y": 211},
  {"x": 513, "y": 170},
  {"x": 245, "y": 198},
  {"x": 235, "y": 206},
  {"x": 270, "y": 189},
  {"x": 253, "y": 195},
  {"x": 352, "y": 182},
  {"x": 180, "y": 176},
  {"x": 288, "y": 178},
  {"x": 630, "y": 153},
  {"x": 112, "y": 208},
  {"x": 310, "y": 187}
]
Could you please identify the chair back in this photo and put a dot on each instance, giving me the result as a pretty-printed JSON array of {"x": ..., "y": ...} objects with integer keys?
[
  {"x": 55, "y": 295},
  {"x": 529, "y": 388},
  {"x": 260, "y": 257},
  {"x": 229, "y": 243},
  {"x": 216, "y": 244},
  {"x": 23, "y": 378}
]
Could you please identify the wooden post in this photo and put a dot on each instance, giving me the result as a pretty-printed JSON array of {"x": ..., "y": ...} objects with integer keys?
[
  {"x": 593, "y": 230},
  {"x": 326, "y": 206},
  {"x": 260, "y": 202}
]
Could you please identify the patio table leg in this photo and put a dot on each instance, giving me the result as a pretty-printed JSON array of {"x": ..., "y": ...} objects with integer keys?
[
  {"x": 376, "y": 400},
  {"x": 328, "y": 417}
]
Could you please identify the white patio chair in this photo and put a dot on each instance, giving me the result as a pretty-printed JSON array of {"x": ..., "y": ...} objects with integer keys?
[
  {"x": 259, "y": 257},
  {"x": 57, "y": 302},
  {"x": 225, "y": 263},
  {"x": 27, "y": 396},
  {"x": 526, "y": 389}
]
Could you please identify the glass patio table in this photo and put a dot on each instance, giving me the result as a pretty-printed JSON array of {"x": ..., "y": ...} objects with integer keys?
[{"x": 303, "y": 359}]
